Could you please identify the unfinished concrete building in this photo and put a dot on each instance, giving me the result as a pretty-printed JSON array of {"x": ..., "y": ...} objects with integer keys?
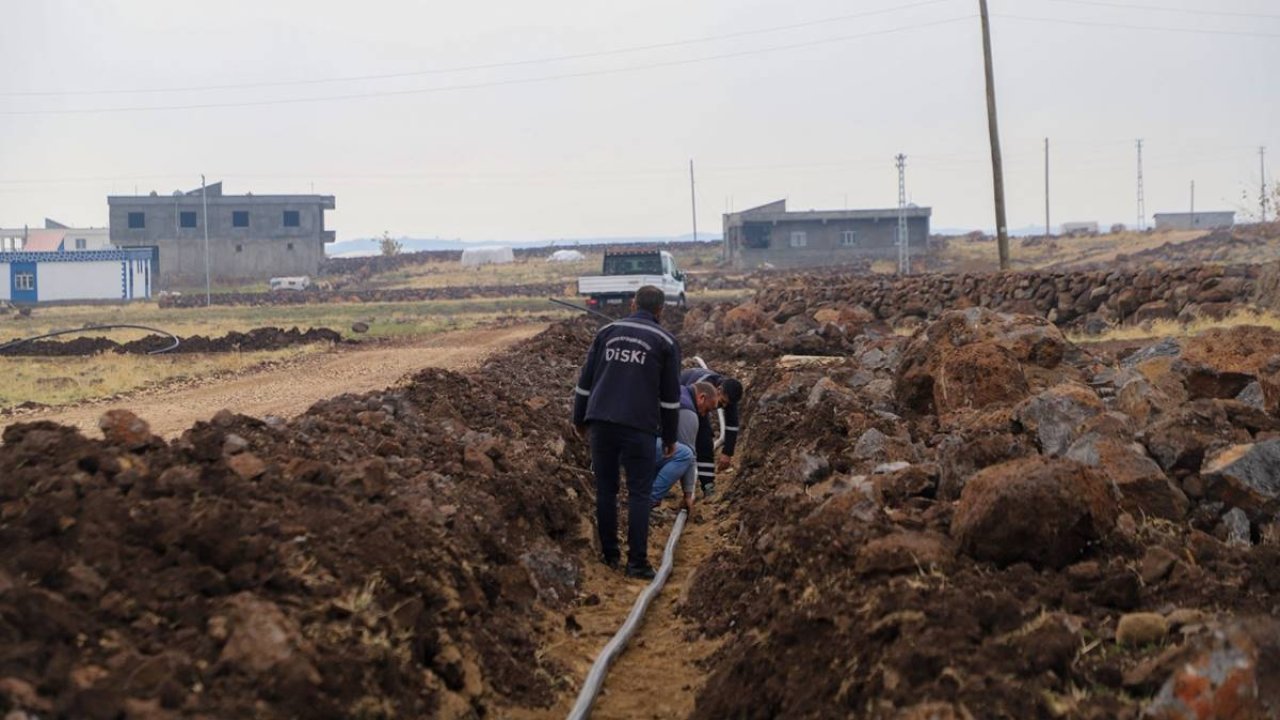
[
  {"x": 251, "y": 237},
  {"x": 1207, "y": 220},
  {"x": 770, "y": 235}
]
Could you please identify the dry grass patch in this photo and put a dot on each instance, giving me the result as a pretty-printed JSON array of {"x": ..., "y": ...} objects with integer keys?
[
  {"x": 1173, "y": 328},
  {"x": 67, "y": 380}
]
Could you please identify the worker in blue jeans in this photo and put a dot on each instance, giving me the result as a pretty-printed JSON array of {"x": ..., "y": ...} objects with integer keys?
[{"x": 696, "y": 400}]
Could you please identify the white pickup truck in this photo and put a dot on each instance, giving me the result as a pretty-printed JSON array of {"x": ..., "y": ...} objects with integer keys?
[{"x": 628, "y": 271}]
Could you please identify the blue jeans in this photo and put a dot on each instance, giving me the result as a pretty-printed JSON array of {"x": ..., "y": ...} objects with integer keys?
[
  {"x": 614, "y": 448},
  {"x": 671, "y": 469}
]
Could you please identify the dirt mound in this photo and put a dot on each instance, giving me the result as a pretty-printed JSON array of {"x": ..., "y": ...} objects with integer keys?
[
  {"x": 386, "y": 555},
  {"x": 268, "y": 338},
  {"x": 364, "y": 295},
  {"x": 841, "y": 590}
]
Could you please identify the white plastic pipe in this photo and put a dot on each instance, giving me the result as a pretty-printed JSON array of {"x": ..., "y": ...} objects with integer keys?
[{"x": 611, "y": 652}]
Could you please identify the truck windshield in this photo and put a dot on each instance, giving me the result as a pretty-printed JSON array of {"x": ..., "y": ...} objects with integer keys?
[{"x": 650, "y": 264}]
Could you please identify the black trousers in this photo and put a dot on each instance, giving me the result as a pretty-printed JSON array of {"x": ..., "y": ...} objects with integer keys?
[
  {"x": 706, "y": 452},
  {"x": 614, "y": 448}
]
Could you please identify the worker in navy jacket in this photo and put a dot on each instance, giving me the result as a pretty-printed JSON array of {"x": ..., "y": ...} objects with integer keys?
[
  {"x": 729, "y": 391},
  {"x": 627, "y": 395}
]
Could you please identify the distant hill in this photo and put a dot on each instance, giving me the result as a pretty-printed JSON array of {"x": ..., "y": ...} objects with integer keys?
[{"x": 370, "y": 246}]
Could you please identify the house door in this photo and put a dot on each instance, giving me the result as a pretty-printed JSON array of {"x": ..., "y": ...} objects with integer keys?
[{"x": 22, "y": 282}]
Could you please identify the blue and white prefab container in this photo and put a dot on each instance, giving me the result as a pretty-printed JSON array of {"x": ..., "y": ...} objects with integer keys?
[{"x": 36, "y": 277}]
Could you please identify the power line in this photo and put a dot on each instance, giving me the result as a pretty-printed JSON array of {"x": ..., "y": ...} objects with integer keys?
[
  {"x": 1128, "y": 26},
  {"x": 1159, "y": 8},
  {"x": 493, "y": 83},
  {"x": 485, "y": 66}
]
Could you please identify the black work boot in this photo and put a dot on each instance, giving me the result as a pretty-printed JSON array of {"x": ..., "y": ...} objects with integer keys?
[
  {"x": 611, "y": 561},
  {"x": 642, "y": 572}
]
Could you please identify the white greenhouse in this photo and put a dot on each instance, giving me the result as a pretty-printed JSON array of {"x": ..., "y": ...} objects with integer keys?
[{"x": 474, "y": 257}]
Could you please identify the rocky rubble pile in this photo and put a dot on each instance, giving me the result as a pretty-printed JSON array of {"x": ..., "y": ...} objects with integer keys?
[
  {"x": 387, "y": 555},
  {"x": 1091, "y": 301},
  {"x": 984, "y": 521}
]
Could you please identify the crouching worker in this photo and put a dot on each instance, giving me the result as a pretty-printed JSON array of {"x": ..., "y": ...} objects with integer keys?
[
  {"x": 695, "y": 401},
  {"x": 628, "y": 393},
  {"x": 728, "y": 397}
]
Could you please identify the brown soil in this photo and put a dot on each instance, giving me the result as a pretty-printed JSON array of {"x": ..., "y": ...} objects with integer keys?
[
  {"x": 255, "y": 340},
  {"x": 290, "y": 389},
  {"x": 381, "y": 555}
]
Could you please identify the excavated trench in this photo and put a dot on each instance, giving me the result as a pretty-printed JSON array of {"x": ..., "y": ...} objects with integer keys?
[{"x": 976, "y": 521}]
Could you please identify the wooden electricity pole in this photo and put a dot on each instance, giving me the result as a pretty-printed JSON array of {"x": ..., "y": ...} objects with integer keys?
[{"x": 997, "y": 165}]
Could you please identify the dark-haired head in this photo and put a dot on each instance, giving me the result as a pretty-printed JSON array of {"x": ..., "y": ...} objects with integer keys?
[
  {"x": 731, "y": 390},
  {"x": 650, "y": 299}
]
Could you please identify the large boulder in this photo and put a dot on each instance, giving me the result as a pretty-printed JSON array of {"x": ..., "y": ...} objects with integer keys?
[
  {"x": 1037, "y": 510},
  {"x": 743, "y": 319},
  {"x": 1246, "y": 476},
  {"x": 1054, "y": 416},
  {"x": 975, "y": 357},
  {"x": 1144, "y": 488},
  {"x": 1179, "y": 441}
]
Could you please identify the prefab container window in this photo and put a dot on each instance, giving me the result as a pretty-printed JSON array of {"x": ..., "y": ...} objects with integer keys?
[
  {"x": 799, "y": 239},
  {"x": 290, "y": 246},
  {"x": 187, "y": 218},
  {"x": 137, "y": 220},
  {"x": 24, "y": 281},
  {"x": 239, "y": 248},
  {"x": 240, "y": 218},
  {"x": 81, "y": 244},
  {"x": 848, "y": 238},
  {"x": 291, "y": 218}
]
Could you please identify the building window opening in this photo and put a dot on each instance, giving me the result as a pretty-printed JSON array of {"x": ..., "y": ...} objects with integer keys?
[
  {"x": 137, "y": 220},
  {"x": 239, "y": 248},
  {"x": 240, "y": 218},
  {"x": 187, "y": 218},
  {"x": 291, "y": 218},
  {"x": 81, "y": 244},
  {"x": 24, "y": 281},
  {"x": 799, "y": 239},
  {"x": 290, "y": 246},
  {"x": 849, "y": 238}
]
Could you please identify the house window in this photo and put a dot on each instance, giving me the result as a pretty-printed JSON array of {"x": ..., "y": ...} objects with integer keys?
[
  {"x": 81, "y": 244},
  {"x": 848, "y": 238},
  {"x": 240, "y": 218},
  {"x": 291, "y": 218},
  {"x": 290, "y": 246},
  {"x": 137, "y": 220},
  {"x": 187, "y": 218},
  {"x": 24, "y": 281},
  {"x": 799, "y": 239},
  {"x": 239, "y": 248}
]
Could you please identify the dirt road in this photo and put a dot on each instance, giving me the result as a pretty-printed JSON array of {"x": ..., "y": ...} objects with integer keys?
[{"x": 290, "y": 390}]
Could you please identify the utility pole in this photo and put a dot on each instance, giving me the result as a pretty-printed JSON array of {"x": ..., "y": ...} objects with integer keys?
[
  {"x": 204, "y": 200},
  {"x": 997, "y": 165},
  {"x": 1142, "y": 202},
  {"x": 1048, "y": 229},
  {"x": 1262, "y": 164},
  {"x": 1193, "y": 204},
  {"x": 904, "y": 239},
  {"x": 693, "y": 197}
]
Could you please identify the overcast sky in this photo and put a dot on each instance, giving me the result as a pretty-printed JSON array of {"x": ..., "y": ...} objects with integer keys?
[{"x": 804, "y": 99}]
